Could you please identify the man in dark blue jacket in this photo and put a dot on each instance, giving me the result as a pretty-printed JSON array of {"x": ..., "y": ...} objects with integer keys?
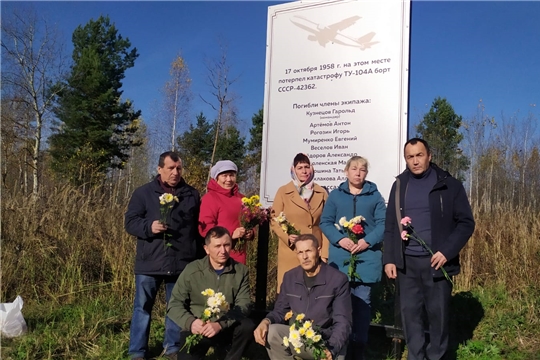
[
  {"x": 441, "y": 216},
  {"x": 166, "y": 242},
  {"x": 318, "y": 291}
]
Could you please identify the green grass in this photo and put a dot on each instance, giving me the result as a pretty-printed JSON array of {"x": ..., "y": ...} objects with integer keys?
[
  {"x": 487, "y": 324},
  {"x": 87, "y": 329},
  {"x": 509, "y": 327}
]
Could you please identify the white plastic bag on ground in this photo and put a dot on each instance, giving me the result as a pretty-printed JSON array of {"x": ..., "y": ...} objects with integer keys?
[{"x": 12, "y": 322}]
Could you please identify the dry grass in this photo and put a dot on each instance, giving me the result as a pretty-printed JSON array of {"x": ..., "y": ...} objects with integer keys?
[
  {"x": 71, "y": 249},
  {"x": 504, "y": 250},
  {"x": 500, "y": 266},
  {"x": 69, "y": 242},
  {"x": 64, "y": 244}
]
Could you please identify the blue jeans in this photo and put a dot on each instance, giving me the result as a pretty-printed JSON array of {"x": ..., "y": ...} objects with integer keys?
[
  {"x": 361, "y": 306},
  {"x": 146, "y": 288}
]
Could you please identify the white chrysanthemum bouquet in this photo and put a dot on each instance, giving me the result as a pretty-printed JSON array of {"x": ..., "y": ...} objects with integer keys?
[
  {"x": 166, "y": 203},
  {"x": 216, "y": 305},
  {"x": 354, "y": 230},
  {"x": 286, "y": 226}
]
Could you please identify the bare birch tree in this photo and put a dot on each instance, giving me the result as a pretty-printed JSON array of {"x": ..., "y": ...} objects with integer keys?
[
  {"x": 220, "y": 80},
  {"x": 477, "y": 133},
  {"x": 32, "y": 62},
  {"x": 14, "y": 125},
  {"x": 177, "y": 96}
]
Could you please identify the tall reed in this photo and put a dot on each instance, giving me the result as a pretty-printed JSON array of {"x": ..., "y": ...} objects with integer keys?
[
  {"x": 504, "y": 249},
  {"x": 63, "y": 244}
]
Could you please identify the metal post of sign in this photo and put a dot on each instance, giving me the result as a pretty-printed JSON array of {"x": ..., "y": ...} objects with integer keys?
[
  {"x": 397, "y": 337},
  {"x": 262, "y": 266}
]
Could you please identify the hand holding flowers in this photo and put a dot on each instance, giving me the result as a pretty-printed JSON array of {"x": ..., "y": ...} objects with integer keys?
[
  {"x": 166, "y": 203},
  {"x": 353, "y": 227},
  {"x": 287, "y": 227},
  {"x": 216, "y": 305},
  {"x": 354, "y": 230},
  {"x": 251, "y": 215},
  {"x": 302, "y": 333},
  {"x": 409, "y": 233}
]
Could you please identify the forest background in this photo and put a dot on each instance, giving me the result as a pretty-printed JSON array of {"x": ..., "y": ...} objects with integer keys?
[{"x": 74, "y": 149}]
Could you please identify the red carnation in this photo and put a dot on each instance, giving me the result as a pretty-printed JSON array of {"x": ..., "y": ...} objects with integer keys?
[{"x": 357, "y": 229}]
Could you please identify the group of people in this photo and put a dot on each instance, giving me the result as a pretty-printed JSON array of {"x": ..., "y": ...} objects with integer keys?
[{"x": 325, "y": 272}]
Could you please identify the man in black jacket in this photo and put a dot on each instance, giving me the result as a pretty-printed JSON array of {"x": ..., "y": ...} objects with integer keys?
[
  {"x": 318, "y": 291},
  {"x": 166, "y": 242},
  {"x": 441, "y": 216}
]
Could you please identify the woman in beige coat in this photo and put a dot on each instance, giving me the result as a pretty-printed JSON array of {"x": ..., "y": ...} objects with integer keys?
[{"x": 302, "y": 202}]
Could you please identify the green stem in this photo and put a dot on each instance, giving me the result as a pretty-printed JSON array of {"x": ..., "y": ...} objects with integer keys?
[
  {"x": 351, "y": 271},
  {"x": 417, "y": 238}
]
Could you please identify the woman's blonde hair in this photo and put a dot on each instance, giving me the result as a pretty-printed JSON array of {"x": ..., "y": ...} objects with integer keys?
[{"x": 357, "y": 159}]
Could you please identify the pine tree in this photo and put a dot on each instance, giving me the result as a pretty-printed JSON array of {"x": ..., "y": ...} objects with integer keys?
[
  {"x": 93, "y": 135},
  {"x": 440, "y": 127},
  {"x": 255, "y": 142},
  {"x": 197, "y": 141},
  {"x": 195, "y": 147},
  {"x": 231, "y": 146}
]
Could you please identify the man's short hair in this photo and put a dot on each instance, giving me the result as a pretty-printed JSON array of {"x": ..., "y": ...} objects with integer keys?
[
  {"x": 415, "y": 141},
  {"x": 173, "y": 155},
  {"x": 215, "y": 232},
  {"x": 305, "y": 237}
]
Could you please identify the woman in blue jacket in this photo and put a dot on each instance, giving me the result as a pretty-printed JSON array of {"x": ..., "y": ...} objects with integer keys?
[{"x": 356, "y": 197}]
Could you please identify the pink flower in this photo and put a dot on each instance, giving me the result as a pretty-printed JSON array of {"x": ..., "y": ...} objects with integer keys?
[
  {"x": 406, "y": 221},
  {"x": 404, "y": 235}
]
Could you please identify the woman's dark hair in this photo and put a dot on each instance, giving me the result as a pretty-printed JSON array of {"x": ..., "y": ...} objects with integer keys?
[{"x": 301, "y": 158}]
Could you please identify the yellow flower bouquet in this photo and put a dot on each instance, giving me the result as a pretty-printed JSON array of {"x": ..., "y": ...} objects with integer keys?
[{"x": 251, "y": 215}]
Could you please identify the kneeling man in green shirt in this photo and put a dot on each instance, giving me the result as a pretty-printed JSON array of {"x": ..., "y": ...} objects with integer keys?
[{"x": 211, "y": 302}]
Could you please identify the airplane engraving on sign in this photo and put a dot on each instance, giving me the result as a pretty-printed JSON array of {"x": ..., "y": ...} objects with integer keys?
[{"x": 332, "y": 33}]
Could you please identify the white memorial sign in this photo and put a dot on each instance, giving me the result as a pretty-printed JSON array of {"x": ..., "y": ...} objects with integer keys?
[{"x": 336, "y": 86}]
